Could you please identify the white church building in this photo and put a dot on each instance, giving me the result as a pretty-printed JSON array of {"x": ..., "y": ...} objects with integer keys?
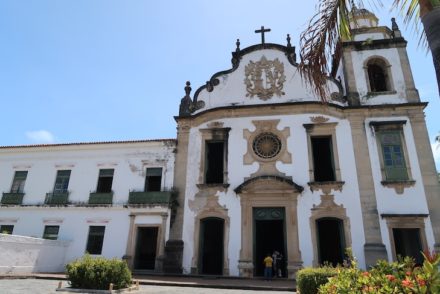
[{"x": 259, "y": 164}]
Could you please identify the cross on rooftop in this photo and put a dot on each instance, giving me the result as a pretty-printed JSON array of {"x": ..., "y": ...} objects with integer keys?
[{"x": 262, "y": 31}]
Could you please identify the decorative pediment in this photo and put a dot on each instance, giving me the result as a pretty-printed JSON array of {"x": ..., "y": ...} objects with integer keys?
[
  {"x": 265, "y": 184},
  {"x": 261, "y": 74}
]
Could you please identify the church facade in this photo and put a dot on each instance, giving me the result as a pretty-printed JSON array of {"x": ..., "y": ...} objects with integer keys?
[{"x": 260, "y": 164}]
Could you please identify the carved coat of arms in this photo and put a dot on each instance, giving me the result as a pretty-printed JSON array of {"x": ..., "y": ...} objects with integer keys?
[{"x": 264, "y": 78}]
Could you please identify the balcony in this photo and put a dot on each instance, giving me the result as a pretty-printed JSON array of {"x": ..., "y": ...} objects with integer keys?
[
  {"x": 101, "y": 198},
  {"x": 12, "y": 198},
  {"x": 149, "y": 197},
  {"x": 57, "y": 198}
]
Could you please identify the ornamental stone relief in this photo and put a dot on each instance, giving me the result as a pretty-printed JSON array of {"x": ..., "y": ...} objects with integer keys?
[
  {"x": 267, "y": 145},
  {"x": 264, "y": 78},
  {"x": 319, "y": 119}
]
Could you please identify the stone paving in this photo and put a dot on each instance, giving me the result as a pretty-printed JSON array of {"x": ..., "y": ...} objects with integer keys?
[{"x": 43, "y": 286}]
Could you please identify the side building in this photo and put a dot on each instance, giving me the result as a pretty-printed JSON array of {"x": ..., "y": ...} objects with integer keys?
[{"x": 104, "y": 198}]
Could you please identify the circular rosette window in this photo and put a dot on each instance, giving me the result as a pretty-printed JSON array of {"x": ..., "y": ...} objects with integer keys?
[{"x": 266, "y": 145}]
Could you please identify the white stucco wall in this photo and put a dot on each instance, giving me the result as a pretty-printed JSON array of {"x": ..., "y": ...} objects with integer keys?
[
  {"x": 388, "y": 200},
  {"x": 20, "y": 254},
  {"x": 129, "y": 160},
  {"x": 232, "y": 90},
  {"x": 74, "y": 225},
  {"x": 370, "y": 36},
  {"x": 298, "y": 170},
  {"x": 391, "y": 55}
]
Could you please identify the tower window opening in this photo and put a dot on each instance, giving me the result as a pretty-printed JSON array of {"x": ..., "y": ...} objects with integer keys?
[{"x": 378, "y": 76}]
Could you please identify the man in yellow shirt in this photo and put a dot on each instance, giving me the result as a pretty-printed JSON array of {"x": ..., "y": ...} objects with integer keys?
[{"x": 268, "y": 261}]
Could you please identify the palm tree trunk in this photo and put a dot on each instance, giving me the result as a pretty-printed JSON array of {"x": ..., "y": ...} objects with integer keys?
[{"x": 431, "y": 24}]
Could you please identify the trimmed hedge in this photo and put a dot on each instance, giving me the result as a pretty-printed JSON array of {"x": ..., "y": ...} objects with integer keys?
[
  {"x": 309, "y": 279},
  {"x": 97, "y": 273}
]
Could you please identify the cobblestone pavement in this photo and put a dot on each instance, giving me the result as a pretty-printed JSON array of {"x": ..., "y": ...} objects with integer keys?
[{"x": 39, "y": 286}]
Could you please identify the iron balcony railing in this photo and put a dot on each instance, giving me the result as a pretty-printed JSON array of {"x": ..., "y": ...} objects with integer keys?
[
  {"x": 57, "y": 198},
  {"x": 101, "y": 198},
  {"x": 12, "y": 198},
  {"x": 157, "y": 197}
]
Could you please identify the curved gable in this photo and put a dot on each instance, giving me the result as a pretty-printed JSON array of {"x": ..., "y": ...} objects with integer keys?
[{"x": 261, "y": 74}]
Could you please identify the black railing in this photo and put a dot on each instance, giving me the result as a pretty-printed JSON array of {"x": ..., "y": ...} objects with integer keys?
[{"x": 57, "y": 198}]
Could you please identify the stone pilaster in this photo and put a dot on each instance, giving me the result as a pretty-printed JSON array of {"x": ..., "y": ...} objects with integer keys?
[
  {"x": 428, "y": 171},
  {"x": 350, "y": 78},
  {"x": 174, "y": 246},
  {"x": 374, "y": 248},
  {"x": 412, "y": 95},
  {"x": 129, "y": 250},
  {"x": 161, "y": 253}
]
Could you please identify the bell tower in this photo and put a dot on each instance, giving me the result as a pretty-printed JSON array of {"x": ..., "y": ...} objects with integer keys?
[{"x": 375, "y": 63}]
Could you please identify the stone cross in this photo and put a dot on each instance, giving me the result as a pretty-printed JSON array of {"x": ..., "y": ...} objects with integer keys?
[{"x": 262, "y": 31}]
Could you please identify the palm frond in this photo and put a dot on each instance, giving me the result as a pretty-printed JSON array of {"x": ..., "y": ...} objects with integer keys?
[
  {"x": 410, "y": 10},
  {"x": 319, "y": 42},
  {"x": 321, "y": 34}
]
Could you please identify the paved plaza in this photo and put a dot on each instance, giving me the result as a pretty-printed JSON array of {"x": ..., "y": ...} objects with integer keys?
[{"x": 41, "y": 286}]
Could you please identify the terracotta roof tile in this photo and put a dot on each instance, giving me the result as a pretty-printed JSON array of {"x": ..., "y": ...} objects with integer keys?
[{"x": 88, "y": 143}]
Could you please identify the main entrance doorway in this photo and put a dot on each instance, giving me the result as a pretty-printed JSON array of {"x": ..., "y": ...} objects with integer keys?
[
  {"x": 269, "y": 235},
  {"x": 331, "y": 242},
  {"x": 146, "y": 245},
  {"x": 211, "y": 246}
]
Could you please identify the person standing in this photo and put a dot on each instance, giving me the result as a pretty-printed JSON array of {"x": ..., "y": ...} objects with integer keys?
[
  {"x": 268, "y": 261},
  {"x": 275, "y": 263},
  {"x": 280, "y": 265}
]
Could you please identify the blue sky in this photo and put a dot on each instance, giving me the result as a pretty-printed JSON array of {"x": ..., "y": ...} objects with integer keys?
[{"x": 101, "y": 70}]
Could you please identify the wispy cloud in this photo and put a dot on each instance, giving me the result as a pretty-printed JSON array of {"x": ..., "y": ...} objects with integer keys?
[
  {"x": 436, "y": 151},
  {"x": 41, "y": 136}
]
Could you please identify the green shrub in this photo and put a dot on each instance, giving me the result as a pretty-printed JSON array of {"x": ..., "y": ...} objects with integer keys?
[
  {"x": 309, "y": 279},
  {"x": 97, "y": 273},
  {"x": 402, "y": 277}
]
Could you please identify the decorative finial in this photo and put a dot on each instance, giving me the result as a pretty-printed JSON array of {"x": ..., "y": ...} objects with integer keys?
[
  {"x": 394, "y": 25},
  {"x": 188, "y": 88},
  {"x": 262, "y": 31},
  {"x": 290, "y": 51},
  {"x": 186, "y": 104},
  {"x": 353, "y": 5},
  {"x": 395, "y": 28},
  {"x": 238, "y": 45}
]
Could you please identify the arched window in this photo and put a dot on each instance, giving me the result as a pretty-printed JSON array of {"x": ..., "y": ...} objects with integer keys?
[{"x": 378, "y": 75}]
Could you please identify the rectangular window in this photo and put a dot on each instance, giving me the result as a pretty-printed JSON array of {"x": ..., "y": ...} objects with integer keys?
[
  {"x": 62, "y": 181},
  {"x": 105, "y": 181},
  {"x": 153, "y": 179},
  {"x": 214, "y": 162},
  {"x": 6, "y": 229},
  {"x": 323, "y": 166},
  {"x": 18, "y": 182},
  {"x": 51, "y": 232},
  {"x": 393, "y": 156},
  {"x": 95, "y": 239}
]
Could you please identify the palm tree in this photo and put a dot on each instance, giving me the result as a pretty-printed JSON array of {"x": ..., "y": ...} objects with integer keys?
[{"x": 332, "y": 23}]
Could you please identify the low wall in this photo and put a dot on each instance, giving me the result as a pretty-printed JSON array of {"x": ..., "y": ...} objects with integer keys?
[{"x": 20, "y": 254}]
